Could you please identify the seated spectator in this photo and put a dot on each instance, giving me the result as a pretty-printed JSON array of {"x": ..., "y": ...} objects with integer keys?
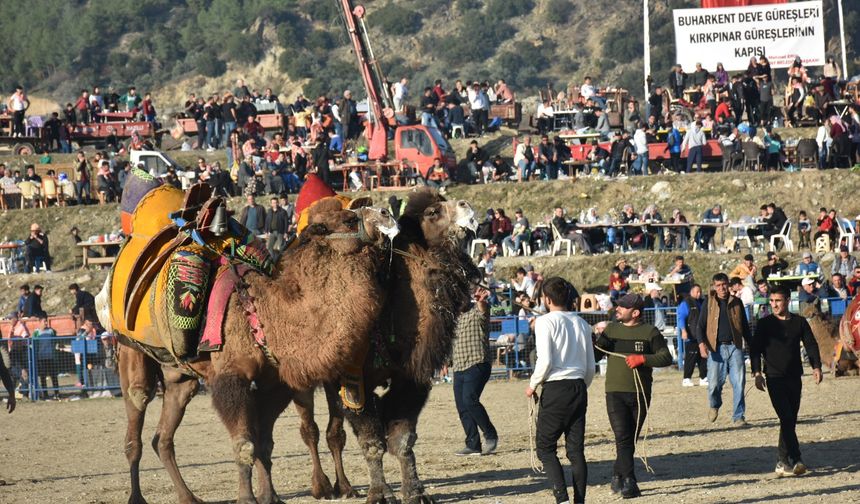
[
  {"x": 678, "y": 235},
  {"x": 498, "y": 170},
  {"x": 706, "y": 233},
  {"x": 523, "y": 282},
  {"x": 31, "y": 176},
  {"x": 524, "y": 159},
  {"x": 804, "y": 228},
  {"x": 37, "y": 250},
  {"x": 570, "y": 231},
  {"x": 655, "y": 233},
  {"x": 683, "y": 273},
  {"x": 626, "y": 269},
  {"x": 519, "y": 234},
  {"x": 741, "y": 291},
  {"x": 634, "y": 234},
  {"x": 503, "y": 92},
  {"x": 437, "y": 176},
  {"x": 775, "y": 266},
  {"x": 808, "y": 266},
  {"x": 547, "y": 159},
  {"x": 844, "y": 263},
  {"x": 597, "y": 158},
  {"x": 808, "y": 291},
  {"x": 476, "y": 158},
  {"x": 602, "y": 124},
  {"x": 854, "y": 282},
  {"x": 33, "y": 306},
  {"x": 824, "y": 225},
  {"x": 544, "y": 117},
  {"x": 617, "y": 284},
  {"x": 501, "y": 227},
  {"x": 746, "y": 270},
  {"x": 837, "y": 287}
]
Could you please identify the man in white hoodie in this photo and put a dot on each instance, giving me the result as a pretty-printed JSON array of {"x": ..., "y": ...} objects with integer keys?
[{"x": 565, "y": 368}]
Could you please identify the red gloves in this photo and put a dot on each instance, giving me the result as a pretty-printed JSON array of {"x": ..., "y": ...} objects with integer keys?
[{"x": 635, "y": 360}]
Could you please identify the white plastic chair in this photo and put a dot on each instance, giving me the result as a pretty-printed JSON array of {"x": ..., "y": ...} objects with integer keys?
[
  {"x": 458, "y": 127},
  {"x": 479, "y": 241},
  {"x": 846, "y": 232},
  {"x": 783, "y": 235},
  {"x": 558, "y": 241}
]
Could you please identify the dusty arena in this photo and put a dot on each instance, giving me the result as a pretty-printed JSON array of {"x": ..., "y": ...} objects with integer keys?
[{"x": 72, "y": 451}]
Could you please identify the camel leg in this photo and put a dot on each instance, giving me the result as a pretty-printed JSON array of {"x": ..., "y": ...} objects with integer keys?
[
  {"x": 367, "y": 427},
  {"x": 137, "y": 377},
  {"x": 269, "y": 408},
  {"x": 403, "y": 403},
  {"x": 179, "y": 389},
  {"x": 320, "y": 484},
  {"x": 336, "y": 438},
  {"x": 235, "y": 403}
]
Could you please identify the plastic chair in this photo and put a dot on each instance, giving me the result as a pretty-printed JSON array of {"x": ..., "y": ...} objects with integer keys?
[
  {"x": 476, "y": 242},
  {"x": 50, "y": 191},
  {"x": 783, "y": 235},
  {"x": 846, "y": 232},
  {"x": 752, "y": 155},
  {"x": 822, "y": 244},
  {"x": 807, "y": 149},
  {"x": 558, "y": 241},
  {"x": 30, "y": 192},
  {"x": 458, "y": 127}
]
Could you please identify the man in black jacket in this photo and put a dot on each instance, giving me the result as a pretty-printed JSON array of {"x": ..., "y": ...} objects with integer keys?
[
  {"x": 475, "y": 159},
  {"x": 84, "y": 301},
  {"x": 33, "y": 305},
  {"x": 37, "y": 249},
  {"x": 348, "y": 115},
  {"x": 277, "y": 223},
  {"x": 777, "y": 339}
]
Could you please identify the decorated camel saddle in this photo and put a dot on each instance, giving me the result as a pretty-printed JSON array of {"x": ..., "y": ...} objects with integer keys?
[
  {"x": 179, "y": 248},
  {"x": 848, "y": 347}
]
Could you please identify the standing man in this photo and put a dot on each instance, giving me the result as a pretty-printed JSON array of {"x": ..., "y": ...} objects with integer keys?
[
  {"x": 347, "y": 110},
  {"x": 18, "y": 104},
  {"x": 470, "y": 362},
  {"x": 253, "y": 216},
  {"x": 645, "y": 348},
  {"x": 777, "y": 339},
  {"x": 565, "y": 368},
  {"x": 721, "y": 331},
  {"x": 694, "y": 142},
  {"x": 688, "y": 317},
  {"x": 276, "y": 227}
]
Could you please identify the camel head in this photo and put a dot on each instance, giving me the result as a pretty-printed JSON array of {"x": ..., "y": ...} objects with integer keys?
[
  {"x": 378, "y": 224},
  {"x": 349, "y": 230},
  {"x": 447, "y": 220}
]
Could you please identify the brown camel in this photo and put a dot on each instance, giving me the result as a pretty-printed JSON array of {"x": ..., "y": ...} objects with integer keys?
[
  {"x": 249, "y": 389},
  {"x": 429, "y": 286},
  {"x": 825, "y": 330}
]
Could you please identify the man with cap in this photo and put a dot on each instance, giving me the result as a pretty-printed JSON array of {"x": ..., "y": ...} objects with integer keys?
[
  {"x": 654, "y": 301},
  {"x": 565, "y": 368},
  {"x": 645, "y": 348},
  {"x": 808, "y": 292},
  {"x": 844, "y": 263},
  {"x": 721, "y": 331},
  {"x": 775, "y": 265},
  {"x": 808, "y": 266}
]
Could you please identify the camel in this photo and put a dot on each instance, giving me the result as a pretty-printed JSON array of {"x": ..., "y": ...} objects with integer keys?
[
  {"x": 835, "y": 339},
  {"x": 429, "y": 286},
  {"x": 825, "y": 330},
  {"x": 849, "y": 341},
  {"x": 348, "y": 239}
]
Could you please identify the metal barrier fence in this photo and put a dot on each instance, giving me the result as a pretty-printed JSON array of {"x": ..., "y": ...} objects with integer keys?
[
  {"x": 72, "y": 366},
  {"x": 511, "y": 342}
]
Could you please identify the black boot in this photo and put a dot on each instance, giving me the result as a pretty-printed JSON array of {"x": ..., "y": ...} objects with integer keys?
[
  {"x": 615, "y": 485},
  {"x": 629, "y": 489}
]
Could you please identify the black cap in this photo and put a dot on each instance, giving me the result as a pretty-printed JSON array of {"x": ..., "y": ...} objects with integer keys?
[{"x": 632, "y": 301}]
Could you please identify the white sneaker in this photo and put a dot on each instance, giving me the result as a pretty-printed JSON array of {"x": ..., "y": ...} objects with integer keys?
[
  {"x": 687, "y": 382},
  {"x": 703, "y": 382}
]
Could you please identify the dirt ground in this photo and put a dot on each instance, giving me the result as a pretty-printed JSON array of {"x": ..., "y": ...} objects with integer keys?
[{"x": 72, "y": 451}]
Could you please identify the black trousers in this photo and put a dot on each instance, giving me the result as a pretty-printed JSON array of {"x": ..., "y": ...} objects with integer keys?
[
  {"x": 468, "y": 386},
  {"x": 785, "y": 396},
  {"x": 693, "y": 358},
  {"x": 563, "y": 405},
  {"x": 623, "y": 413}
]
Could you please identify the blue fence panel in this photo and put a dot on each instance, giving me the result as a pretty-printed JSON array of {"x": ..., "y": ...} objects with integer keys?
[{"x": 65, "y": 366}]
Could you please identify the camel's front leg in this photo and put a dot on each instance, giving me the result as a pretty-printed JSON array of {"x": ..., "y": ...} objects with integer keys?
[{"x": 234, "y": 401}]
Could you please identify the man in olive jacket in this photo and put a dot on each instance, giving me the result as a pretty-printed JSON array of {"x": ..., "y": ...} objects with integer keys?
[{"x": 721, "y": 331}]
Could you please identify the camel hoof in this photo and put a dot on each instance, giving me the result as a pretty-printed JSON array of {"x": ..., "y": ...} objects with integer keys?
[
  {"x": 136, "y": 499},
  {"x": 419, "y": 499},
  {"x": 345, "y": 491},
  {"x": 384, "y": 495},
  {"x": 269, "y": 499},
  {"x": 322, "y": 489},
  {"x": 245, "y": 453},
  {"x": 192, "y": 500}
]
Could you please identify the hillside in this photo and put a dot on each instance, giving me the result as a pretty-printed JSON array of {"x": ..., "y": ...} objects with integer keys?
[
  {"x": 173, "y": 47},
  {"x": 740, "y": 193}
]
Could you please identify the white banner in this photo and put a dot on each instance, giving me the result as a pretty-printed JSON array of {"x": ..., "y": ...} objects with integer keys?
[{"x": 731, "y": 35}]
